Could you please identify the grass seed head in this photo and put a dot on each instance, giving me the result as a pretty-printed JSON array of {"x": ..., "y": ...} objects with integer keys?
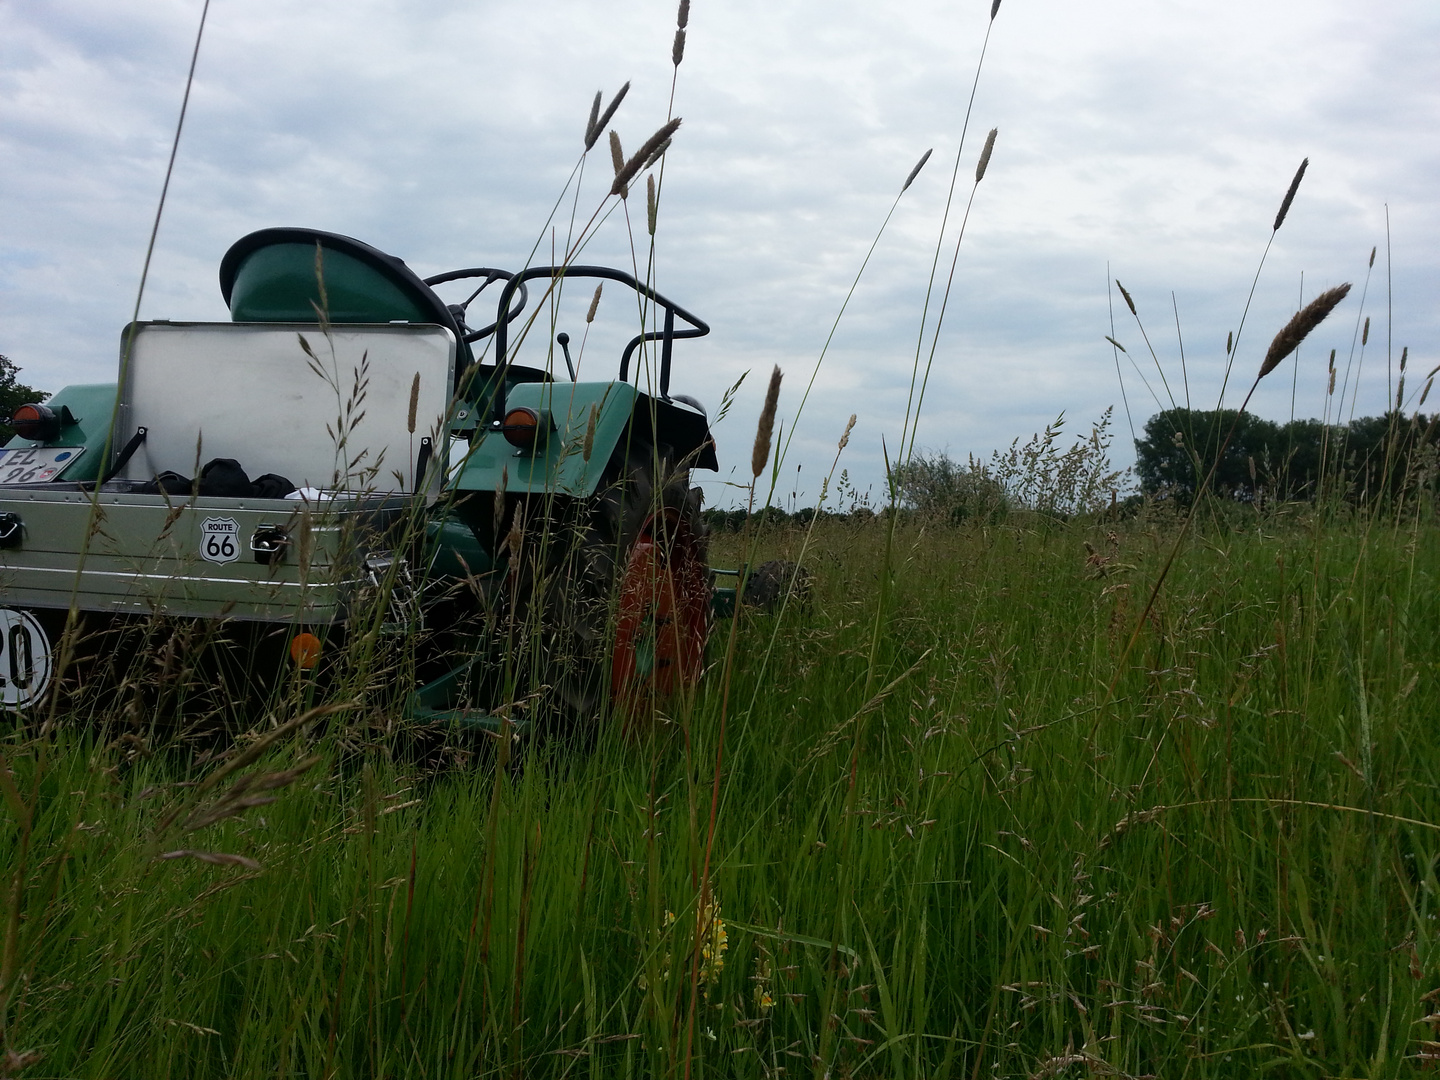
[
  {"x": 617, "y": 155},
  {"x": 677, "y": 51},
  {"x": 625, "y": 173},
  {"x": 1372, "y": 259},
  {"x": 1117, "y": 345},
  {"x": 588, "y": 446},
  {"x": 1229, "y": 340},
  {"x": 1365, "y": 334},
  {"x": 656, "y": 154},
  {"x": 682, "y": 17},
  {"x": 594, "y": 304},
  {"x": 1290, "y": 195},
  {"x": 1131, "y": 303},
  {"x": 500, "y": 497},
  {"x": 1426, "y": 392},
  {"x": 590, "y": 133},
  {"x": 594, "y": 133},
  {"x": 1400, "y": 393},
  {"x": 650, "y": 205},
  {"x": 1330, "y": 390},
  {"x": 849, "y": 427},
  {"x": 766, "y": 429},
  {"x": 414, "y": 403},
  {"x": 1404, "y": 358},
  {"x": 1299, "y": 327},
  {"x": 916, "y": 170},
  {"x": 984, "y": 162},
  {"x": 1332, "y": 360},
  {"x": 994, "y": 10}
]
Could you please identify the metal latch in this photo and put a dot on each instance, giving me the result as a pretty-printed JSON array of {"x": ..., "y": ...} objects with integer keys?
[
  {"x": 12, "y": 530},
  {"x": 269, "y": 544}
]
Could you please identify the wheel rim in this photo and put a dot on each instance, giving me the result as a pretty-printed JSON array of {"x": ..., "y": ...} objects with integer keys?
[{"x": 663, "y": 619}]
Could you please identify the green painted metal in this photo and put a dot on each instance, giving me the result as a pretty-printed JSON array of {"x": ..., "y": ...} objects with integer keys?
[
  {"x": 438, "y": 702},
  {"x": 277, "y": 284},
  {"x": 560, "y": 465},
  {"x": 92, "y": 405},
  {"x": 454, "y": 551}
]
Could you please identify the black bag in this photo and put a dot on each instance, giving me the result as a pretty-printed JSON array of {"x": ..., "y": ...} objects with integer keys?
[
  {"x": 224, "y": 477},
  {"x": 169, "y": 483},
  {"x": 271, "y": 486}
]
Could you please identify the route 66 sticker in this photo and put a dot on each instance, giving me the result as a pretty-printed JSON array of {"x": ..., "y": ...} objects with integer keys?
[{"x": 220, "y": 540}]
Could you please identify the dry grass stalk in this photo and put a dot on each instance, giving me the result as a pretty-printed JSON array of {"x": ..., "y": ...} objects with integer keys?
[
  {"x": 766, "y": 430},
  {"x": 1299, "y": 327},
  {"x": 651, "y": 207},
  {"x": 1131, "y": 303},
  {"x": 677, "y": 51},
  {"x": 215, "y": 858},
  {"x": 593, "y": 135},
  {"x": 984, "y": 162},
  {"x": 1290, "y": 195},
  {"x": 414, "y": 403},
  {"x": 594, "y": 304},
  {"x": 849, "y": 427},
  {"x": 624, "y": 174},
  {"x": 916, "y": 170}
]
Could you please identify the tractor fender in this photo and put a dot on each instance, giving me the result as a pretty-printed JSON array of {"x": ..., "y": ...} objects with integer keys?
[{"x": 571, "y": 458}]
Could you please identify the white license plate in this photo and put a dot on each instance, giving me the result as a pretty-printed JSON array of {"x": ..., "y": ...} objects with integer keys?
[{"x": 35, "y": 464}]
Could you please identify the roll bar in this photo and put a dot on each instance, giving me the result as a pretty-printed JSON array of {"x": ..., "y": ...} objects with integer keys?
[{"x": 667, "y": 336}]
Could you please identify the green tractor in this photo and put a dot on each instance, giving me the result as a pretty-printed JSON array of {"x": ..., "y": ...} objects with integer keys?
[{"x": 347, "y": 468}]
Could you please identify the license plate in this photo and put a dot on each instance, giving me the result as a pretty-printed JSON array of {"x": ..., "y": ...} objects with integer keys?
[{"x": 35, "y": 464}]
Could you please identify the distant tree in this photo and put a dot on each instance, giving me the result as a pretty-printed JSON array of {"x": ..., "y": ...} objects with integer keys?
[
  {"x": 937, "y": 486},
  {"x": 13, "y": 394}
]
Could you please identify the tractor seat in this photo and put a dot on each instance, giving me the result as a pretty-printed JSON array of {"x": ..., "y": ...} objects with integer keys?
[{"x": 274, "y": 275}]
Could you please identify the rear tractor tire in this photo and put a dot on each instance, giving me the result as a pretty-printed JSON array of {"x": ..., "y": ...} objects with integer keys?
[{"x": 614, "y": 603}]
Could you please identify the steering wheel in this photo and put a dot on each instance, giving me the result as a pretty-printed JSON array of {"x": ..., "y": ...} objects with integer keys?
[{"x": 491, "y": 275}]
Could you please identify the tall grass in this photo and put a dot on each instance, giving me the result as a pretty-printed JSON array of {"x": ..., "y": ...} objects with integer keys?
[{"x": 946, "y": 876}]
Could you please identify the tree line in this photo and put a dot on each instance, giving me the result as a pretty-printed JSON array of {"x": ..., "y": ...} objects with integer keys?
[{"x": 1374, "y": 457}]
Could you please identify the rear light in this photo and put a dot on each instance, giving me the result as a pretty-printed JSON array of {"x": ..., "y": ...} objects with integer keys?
[
  {"x": 525, "y": 428},
  {"x": 37, "y": 422}
]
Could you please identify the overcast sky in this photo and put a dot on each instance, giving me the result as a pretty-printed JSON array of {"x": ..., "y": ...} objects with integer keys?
[{"x": 1153, "y": 136}]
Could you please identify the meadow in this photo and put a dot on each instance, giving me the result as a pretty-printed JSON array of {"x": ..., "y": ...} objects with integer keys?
[{"x": 962, "y": 839}]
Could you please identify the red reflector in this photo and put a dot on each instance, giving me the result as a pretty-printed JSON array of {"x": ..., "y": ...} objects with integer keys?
[{"x": 305, "y": 650}]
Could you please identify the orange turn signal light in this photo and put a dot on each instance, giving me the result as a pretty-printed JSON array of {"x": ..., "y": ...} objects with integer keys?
[
  {"x": 36, "y": 422},
  {"x": 524, "y": 427},
  {"x": 305, "y": 650}
]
